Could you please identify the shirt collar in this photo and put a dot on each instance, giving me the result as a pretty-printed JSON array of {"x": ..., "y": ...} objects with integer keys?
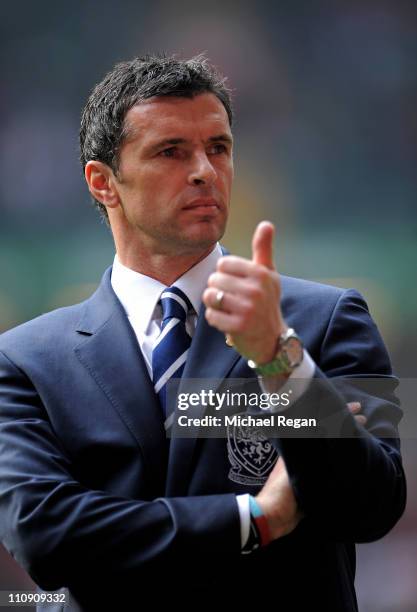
[{"x": 139, "y": 294}]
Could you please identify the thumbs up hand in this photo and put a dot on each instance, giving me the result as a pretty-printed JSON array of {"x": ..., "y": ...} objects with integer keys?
[{"x": 248, "y": 310}]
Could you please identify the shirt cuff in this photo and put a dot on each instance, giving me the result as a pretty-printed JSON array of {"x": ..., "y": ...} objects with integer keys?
[
  {"x": 302, "y": 373},
  {"x": 244, "y": 514}
]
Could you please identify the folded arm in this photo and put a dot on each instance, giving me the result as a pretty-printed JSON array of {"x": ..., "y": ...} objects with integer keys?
[{"x": 58, "y": 529}]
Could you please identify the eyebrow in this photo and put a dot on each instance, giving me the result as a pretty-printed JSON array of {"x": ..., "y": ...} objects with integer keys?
[
  {"x": 174, "y": 141},
  {"x": 221, "y": 138}
]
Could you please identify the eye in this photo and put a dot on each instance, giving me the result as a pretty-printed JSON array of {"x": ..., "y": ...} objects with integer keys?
[
  {"x": 217, "y": 149},
  {"x": 170, "y": 152}
]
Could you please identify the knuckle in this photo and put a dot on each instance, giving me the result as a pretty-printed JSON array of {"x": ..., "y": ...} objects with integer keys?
[
  {"x": 249, "y": 312},
  {"x": 212, "y": 279},
  {"x": 261, "y": 273},
  {"x": 254, "y": 291},
  {"x": 276, "y": 279},
  {"x": 222, "y": 264},
  {"x": 245, "y": 307}
]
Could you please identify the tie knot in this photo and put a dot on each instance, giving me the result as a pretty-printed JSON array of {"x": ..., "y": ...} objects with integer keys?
[{"x": 174, "y": 303}]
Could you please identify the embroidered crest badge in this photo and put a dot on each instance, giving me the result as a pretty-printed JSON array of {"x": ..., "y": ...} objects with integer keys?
[{"x": 251, "y": 455}]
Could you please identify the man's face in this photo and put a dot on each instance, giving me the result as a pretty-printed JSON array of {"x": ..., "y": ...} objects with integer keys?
[{"x": 175, "y": 174}]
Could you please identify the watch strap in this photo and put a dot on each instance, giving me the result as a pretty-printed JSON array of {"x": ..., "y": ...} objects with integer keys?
[{"x": 280, "y": 365}]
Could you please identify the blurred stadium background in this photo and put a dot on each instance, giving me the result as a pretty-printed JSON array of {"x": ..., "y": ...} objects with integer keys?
[{"x": 326, "y": 135}]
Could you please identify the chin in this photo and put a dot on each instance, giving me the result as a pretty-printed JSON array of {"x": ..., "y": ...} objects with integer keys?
[{"x": 204, "y": 237}]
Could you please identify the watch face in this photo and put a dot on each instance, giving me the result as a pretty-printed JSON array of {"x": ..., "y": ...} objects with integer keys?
[{"x": 294, "y": 350}]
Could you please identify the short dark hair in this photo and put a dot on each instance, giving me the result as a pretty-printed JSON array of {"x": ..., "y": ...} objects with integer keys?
[{"x": 129, "y": 83}]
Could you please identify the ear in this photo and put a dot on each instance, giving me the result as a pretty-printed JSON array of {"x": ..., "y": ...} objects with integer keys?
[{"x": 101, "y": 183}]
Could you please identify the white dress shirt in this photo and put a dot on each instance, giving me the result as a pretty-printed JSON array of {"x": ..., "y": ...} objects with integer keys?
[{"x": 139, "y": 296}]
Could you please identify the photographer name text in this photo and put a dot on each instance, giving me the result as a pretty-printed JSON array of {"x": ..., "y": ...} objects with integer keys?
[{"x": 246, "y": 420}]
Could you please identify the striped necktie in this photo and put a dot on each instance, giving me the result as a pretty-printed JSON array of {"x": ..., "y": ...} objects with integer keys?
[{"x": 171, "y": 347}]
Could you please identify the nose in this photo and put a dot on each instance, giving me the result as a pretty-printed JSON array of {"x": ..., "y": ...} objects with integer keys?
[{"x": 202, "y": 171}]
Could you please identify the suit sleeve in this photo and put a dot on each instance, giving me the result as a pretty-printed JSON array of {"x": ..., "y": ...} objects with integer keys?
[
  {"x": 350, "y": 485},
  {"x": 57, "y": 529}
]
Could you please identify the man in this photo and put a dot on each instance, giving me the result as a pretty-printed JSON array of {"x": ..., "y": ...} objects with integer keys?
[{"x": 92, "y": 496}]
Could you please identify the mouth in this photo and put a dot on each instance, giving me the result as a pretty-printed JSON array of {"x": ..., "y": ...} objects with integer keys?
[{"x": 208, "y": 204}]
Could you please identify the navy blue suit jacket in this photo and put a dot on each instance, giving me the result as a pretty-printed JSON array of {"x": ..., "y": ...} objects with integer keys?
[{"x": 90, "y": 499}]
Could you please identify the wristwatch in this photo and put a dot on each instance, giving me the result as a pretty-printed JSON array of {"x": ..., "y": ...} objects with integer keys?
[{"x": 289, "y": 355}]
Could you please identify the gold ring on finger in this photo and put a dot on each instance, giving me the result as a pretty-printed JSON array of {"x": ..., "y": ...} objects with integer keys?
[{"x": 219, "y": 300}]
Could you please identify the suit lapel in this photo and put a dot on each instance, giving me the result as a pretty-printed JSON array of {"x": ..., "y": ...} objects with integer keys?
[
  {"x": 209, "y": 358},
  {"x": 111, "y": 354}
]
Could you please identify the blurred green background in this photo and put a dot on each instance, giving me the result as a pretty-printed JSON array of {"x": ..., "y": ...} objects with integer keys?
[{"x": 326, "y": 133}]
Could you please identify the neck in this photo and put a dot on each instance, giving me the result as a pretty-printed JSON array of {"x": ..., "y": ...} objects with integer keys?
[{"x": 164, "y": 268}]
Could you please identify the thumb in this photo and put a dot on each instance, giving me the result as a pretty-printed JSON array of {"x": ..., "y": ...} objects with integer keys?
[{"x": 263, "y": 244}]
